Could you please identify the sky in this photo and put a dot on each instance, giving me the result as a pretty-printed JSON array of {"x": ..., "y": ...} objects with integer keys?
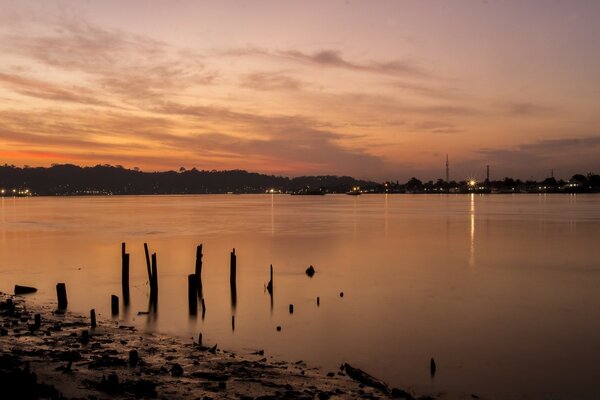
[{"x": 379, "y": 90}]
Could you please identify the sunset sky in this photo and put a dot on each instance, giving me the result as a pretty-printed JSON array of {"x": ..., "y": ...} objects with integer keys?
[{"x": 373, "y": 89}]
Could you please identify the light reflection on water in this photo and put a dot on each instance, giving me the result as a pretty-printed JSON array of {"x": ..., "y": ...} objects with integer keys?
[{"x": 501, "y": 290}]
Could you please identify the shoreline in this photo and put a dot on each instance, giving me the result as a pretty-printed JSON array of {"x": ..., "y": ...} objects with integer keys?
[{"x": 61, "y": 355}]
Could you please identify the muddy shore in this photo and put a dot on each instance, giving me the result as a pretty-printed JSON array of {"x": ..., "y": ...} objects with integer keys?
[{"x": 58, "y": 355}]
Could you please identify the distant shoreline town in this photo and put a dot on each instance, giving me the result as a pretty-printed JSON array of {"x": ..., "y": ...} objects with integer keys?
[{"x": 72, "y": 180}]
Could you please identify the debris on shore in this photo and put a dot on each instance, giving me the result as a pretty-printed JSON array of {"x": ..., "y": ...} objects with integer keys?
[{"x": 60, "y": 357}]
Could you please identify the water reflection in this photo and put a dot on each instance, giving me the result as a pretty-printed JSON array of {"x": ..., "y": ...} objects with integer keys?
[
  {"x": 472, "y": 231},
  {"x": 494, "y": 324}
]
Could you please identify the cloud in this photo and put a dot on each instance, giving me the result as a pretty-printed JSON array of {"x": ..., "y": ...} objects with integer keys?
[
  {"x": 135, "y": 67},
  {"x": 334, "y": 58},
  {"x": 566, "y": 155},
  {"x": 48, "y": 91},
  {"x": 525, "y": 109},
  {"x": 270, "y": 81}
]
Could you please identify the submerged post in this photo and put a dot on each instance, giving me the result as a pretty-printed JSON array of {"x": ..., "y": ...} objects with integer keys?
[
  {"x": 114, "y": 304},
  {"x": 61, "y": 294},
  {"x": 192, "y": 294},
  {"x": 93, "y": 318},
  {"x": 125, "y": 274}
]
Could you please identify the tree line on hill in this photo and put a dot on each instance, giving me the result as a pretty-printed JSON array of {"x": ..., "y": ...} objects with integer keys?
[{"x": 67, "y": 179}]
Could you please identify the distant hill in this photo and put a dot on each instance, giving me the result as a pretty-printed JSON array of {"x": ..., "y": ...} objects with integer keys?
[{"x": 70, "y": 179}]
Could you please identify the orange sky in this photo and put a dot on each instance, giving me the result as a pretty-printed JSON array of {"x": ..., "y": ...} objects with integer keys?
[{"x": 374, "y": 89}]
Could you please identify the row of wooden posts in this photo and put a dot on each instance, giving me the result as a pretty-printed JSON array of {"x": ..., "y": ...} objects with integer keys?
[{"x": 194, "y": 283}]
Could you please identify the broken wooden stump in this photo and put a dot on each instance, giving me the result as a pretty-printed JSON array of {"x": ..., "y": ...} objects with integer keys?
[
  {"x": 432, "y": 367},
  {"x": 37, "y": 318},
  {"x": 93, "y": 318},
  {"x": 24, "y": 289},
  {"x": 114, "y": 305},
  {"x": 133, "y": 358},
  {"x": 291, "y": 308},
  {"x": 318, "y": 301},
  {"x": 310, "y": 271},
  {"x": 61, "y": 294},
  {"x": 125, "y": 274}
]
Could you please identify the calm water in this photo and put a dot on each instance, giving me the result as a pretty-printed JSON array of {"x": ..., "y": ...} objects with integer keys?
[{"x": 504, "y": 291}]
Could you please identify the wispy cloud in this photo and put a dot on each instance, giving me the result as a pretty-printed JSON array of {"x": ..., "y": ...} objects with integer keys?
[{"x": 270, "y": 81}]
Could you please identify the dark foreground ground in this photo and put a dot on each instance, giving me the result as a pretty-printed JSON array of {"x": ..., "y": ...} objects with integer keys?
[{"x": 64, "y": 358}]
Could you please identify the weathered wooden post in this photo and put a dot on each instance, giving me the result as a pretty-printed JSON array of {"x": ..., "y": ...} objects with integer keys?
[
  {"x": 114, "y": 304},
  {"x": 192, "y": 294},
  {"x": 203, "y": 308},
  {"x": 125, "y": 274},
  {"x": 154, "y": 275},
  {"x": 93, "y": 318},
  {"x": 232, "y": 279},
  {"x": 233, "y": 322},
  {"x": 200, "y": 339},
  {"x": 199, "y": 262},
  {"x": 318, "y": 301},
  {"x": 148, "y": 262},
  {"x": 291, "y": 308},
  {"x": 432, "y": 367},
  {"x": 61, "y": 294},
  {"x": 270, "y": 284},
  {"x": 232, "y": 268},
  {"x": 37, "y": 318}
]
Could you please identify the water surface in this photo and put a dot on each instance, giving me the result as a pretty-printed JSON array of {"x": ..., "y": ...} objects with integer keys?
[{"x": 502, "y": 290}]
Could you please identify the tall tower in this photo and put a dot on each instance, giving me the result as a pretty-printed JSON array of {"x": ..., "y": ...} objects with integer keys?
[{"x": 447, "y": 170}]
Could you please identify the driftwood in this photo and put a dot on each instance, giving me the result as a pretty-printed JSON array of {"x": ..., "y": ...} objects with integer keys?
[{"x": 361, "y": 376}]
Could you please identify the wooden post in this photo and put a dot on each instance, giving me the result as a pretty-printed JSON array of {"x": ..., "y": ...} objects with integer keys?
[
  {"x": 199, "y": 262},
  {"x": 233, "y": 322},
  {"x": 318, "y": 301},
  {"x": 114, "y": 304},
  {"x": 291, "y": 308},
  {"x": 192, "y": 294},
  {"x": 232, "y": 279},
  {"x": 432, "y": 367},
  {"x": 270, "y": 284},
  {"x": 203, "y": 308},
  {"x": 37, "y": 321},
  {"x": 148, "y": 264},
  {"x": 61, "y": 294},
  {"x": 125, "y": 274},
  {"x": 232, "y": 268},
  {"x": 93, "y": 317},
  {"x": 200, "y": 339},
  {"x": 154, "y": 275}
]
